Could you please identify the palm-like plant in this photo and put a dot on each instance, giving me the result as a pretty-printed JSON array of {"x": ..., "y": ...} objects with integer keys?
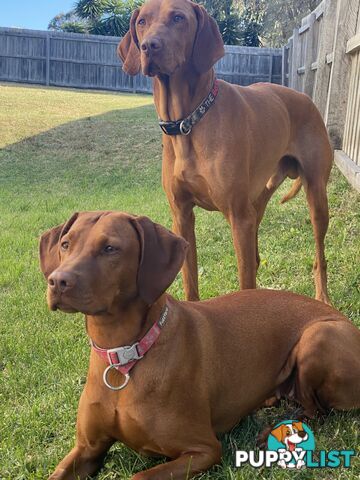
[
  {"x": 226, "y": 14},
  {"x": 90, "y": 9},
  {"x": 115, "y": 18}
]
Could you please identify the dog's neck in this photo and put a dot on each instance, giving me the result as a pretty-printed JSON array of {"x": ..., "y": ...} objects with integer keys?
[
  {"x": 176, "y": 96},
  {"x": 125, "y": 325}
]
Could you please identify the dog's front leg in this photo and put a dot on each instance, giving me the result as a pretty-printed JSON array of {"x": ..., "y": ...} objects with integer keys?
[
  {"x": 184, "y": 225},
  {"x": 185, "y": 466},
  {"x": 80, "y": 463},
  {"x": 243, "y": 227},
  {"x": 92, "y": 444}
]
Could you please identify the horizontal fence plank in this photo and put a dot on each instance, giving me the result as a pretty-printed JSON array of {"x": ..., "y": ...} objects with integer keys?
[
  {"x": 85, "y": 62},
  {"x": 348, "y": 168},
  {"x": 20, "y": 32},
  {"x": 28, "y": 57},
  {"x": 353, "y": 45},
  {"x": 90, "y": 61},
  {"x": 329, "y": 58},
  {"x": 304, "y": 29}
]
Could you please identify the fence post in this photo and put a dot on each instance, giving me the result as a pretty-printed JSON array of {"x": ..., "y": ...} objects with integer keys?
[
  {"x": 270, "y": 67},
  {"x": 283, "y": 74},
  {"x": 347, "y": 14},
  {"x": 326, "y": 45},
  {"x": 294, "y": 59},
  {"x": 48, "y": 58},
  {"x": 289, "y": 63},
  {"x": 309, "y": 74}
]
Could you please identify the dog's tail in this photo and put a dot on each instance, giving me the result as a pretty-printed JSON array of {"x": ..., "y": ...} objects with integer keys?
[{"x": 295, "y": 189}]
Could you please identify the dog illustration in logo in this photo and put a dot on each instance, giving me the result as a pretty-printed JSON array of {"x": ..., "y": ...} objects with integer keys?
[{"x": 291, "y": 435}]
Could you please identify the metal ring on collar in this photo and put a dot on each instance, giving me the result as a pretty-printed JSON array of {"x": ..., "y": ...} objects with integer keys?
[
  {"x": 183, "y": 129},
  {"x": 105, "y": 374}
]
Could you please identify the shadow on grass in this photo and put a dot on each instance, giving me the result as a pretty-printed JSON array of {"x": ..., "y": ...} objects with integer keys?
[
  {"x": 118, "y": 148},
  {"x": 107, "y": 161}
]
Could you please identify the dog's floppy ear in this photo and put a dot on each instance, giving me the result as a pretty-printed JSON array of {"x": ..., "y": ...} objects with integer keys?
[
  {"x": 128, "y": 48},
  {"x": 49, "y": 246},
  {"x": 208, "y": 45},
  {"x": 298, "y": 425},
  {"x": 162, "y": 255},
  {"x": 278, "y": 433}
]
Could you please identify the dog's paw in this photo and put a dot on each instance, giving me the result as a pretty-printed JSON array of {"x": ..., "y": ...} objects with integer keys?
[
  {"x": 57, "y": 475},
  {"x": 140, "y": 476}
]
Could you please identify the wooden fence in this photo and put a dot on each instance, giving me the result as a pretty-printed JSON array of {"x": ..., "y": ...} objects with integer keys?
[
  {"x": 322, "y": 59},
  {"x": 90, "y": 61}
]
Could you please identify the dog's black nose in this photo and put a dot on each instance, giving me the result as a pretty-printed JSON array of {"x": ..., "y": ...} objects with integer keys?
[
  {"x": 61, "y": 281},
  {"x": 302, "y": 434}
]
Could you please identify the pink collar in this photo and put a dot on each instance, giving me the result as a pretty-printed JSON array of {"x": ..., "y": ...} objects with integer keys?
[{"x": 124, "y": 358}]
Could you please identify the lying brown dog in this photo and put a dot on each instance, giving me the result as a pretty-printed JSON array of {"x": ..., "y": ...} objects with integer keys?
[
  {"x": 205, "y": 364},
  {"x": 238, "y": 154}
]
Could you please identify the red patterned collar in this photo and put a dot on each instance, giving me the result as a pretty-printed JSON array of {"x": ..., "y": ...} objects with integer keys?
[{"x": 124, "y": 358}]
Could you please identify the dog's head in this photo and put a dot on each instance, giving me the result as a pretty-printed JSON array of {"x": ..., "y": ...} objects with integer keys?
[
  {"x": 166, "y": 35},
  {"x": 290, "y": 434},
  {"x": 97, "y": 260}
]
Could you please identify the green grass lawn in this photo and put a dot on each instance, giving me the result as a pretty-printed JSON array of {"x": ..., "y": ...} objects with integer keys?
[{"x": 64, "y": 150}]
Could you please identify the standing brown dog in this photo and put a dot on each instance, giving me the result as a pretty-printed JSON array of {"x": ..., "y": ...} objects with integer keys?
[
  {"x": 239, "y": 153},
  {"x": 205, "y": 364}
]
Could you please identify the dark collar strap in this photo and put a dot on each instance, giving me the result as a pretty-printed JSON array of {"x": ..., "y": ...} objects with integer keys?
[{"x": 184, "y": 126}]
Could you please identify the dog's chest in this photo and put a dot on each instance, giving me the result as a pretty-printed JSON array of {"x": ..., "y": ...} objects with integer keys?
[
  {"x": 189, "y": 174},
  {"x": 128, "y": 423},
  {"x": 188, "y": 178}
]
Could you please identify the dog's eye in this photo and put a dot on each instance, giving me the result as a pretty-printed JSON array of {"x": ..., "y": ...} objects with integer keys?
[
  {"x": 178, "y": 18},
  {"x": 109, "y": 249},
  {"x": 64, "y": 245},
  {"x": 141, "y": 21}
]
